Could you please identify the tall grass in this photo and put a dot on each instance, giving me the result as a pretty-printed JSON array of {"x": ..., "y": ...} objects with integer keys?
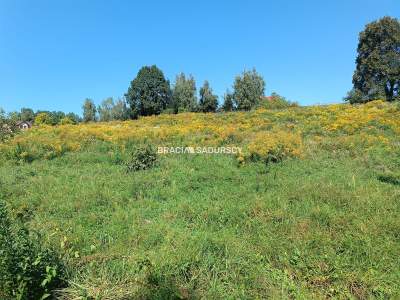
[{"x": 321, "y": 224}]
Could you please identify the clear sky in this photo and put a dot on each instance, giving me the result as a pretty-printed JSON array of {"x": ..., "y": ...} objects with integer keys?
[{"x": 55, "y": 53}]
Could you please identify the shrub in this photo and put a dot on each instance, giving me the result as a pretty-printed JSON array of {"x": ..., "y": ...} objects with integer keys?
[
  {"x": 141, "y": 158},
  {"x": 274, "y": 146},
  {"x": 354, "y": 96},
  {"x": 276, "y": 101},
  {"x": 20, "y": 153},
  {"x": 23, "y": 153},
  {"x": 43, "y": 119},
  {"x": 7, "y": 127},
  {"x": 27, "y": 269},
  {"x": 6, "y": 131},
  {"x": 67, "y": 121}
]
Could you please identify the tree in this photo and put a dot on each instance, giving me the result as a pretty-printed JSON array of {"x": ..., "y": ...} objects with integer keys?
[
  {"x": 120, "y": 111},
  {"x": 105, "y": 109},
  {"x": 354, "y": 96},
  {"x": 377, "y": 74},
  {"x": 74, "y": 117},
  {"x": 228, "y": 102},
  {"x": 89, "y": 111},
  {"x": 7, "y": 126},
  {"x": 2, "y": 115},
  {"x": 54, "y": 116},
  {"x": 184, "y": 94},
  {"x": 248, "y": 90},
  {"x": 110, "y": 110},
  {"x": 43, "y": 119},
  {"x": 67, "y": 121},
  {"x": 149, "y": 93},
  {"x": 27, "y": 115},
  {"x": 14, "y": 116},
  {"x": 208, "y": 102}
]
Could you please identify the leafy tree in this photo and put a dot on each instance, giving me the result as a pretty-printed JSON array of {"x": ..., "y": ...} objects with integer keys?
[
  {"x": 2, "y": 114},
  {"x": 354, "y": 96},
  {"x": 109, "y": 111},
  {"x": 377, "y": 74},
  {"x": 43, "y": 119},
  {"x": 67, "y": 121},
  {"x": 105, "y": 109},
  {"x": 27, "y": 114},
  {"x": 6, "y": 126},
  {"x": 14, "y": 116},
  {"x": 54, "y": 116},
  {"x": 208, "y": 101},
  {"x": 120, "y": 110},
  {"x": 184, "y": 94},
  {"x": 248, "y": 90},
  {"x": 89, "y": 111},
  {"x": 276, "y": 101},
  {"x": 228, "y": 102},
  {"x": 74, "y": 117},
  {"x": 149, "y": 93}
]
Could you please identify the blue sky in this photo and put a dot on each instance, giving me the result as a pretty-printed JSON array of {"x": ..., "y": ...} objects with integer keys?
[{"x": 54, "y": 54}]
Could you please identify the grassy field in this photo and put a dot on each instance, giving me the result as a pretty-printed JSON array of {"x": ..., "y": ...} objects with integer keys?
[{"x": 309, "y": 209}]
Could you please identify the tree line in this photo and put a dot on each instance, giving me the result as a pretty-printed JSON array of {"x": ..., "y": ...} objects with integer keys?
[
  {"x": 40, "y": 116},
  {"x": 150, "y": 93},
  {"x": 377, "y": 76}
]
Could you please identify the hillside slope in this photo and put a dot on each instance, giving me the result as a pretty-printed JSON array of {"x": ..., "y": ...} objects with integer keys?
[{"x": 308, "y": 209}]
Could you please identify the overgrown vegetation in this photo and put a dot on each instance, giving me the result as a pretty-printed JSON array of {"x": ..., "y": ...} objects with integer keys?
[
  {"x": 7, "y": 127},
  {"x": 28, "y": 270},
  {"x": 141, "y": 158},
  {"x": 276, "y": 101},
  {"x": 309, "y": 209}
]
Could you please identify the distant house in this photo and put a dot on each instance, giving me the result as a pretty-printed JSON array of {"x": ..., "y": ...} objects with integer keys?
[
  {"x": 267, "y": 98},
  {"x": 24, "y": 125}
]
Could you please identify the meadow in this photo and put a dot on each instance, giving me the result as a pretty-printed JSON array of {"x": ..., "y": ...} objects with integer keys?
[{"x": 308, "y": 209}]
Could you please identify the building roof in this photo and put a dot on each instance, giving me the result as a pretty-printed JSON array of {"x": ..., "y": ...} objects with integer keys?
[{"x": 29, "y": 123}]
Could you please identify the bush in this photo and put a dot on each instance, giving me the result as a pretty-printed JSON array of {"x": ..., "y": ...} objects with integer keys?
[
  {"x": 27, "y": 269},
  {"x": 274, "y": 146},
  {"x": 276, "y": 101},
  {"x": 354, "y": 96},
  {"x": 141, "y": 158},
  {"x": 67, "y": 121},
  {"x": 6, "y": 131},
  {"x": 20, "y": 153},
  {"x": 43, "y": 119},
  {"x": 7, "y": 127}
]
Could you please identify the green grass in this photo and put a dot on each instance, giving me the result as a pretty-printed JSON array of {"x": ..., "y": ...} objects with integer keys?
[{"x": 199, "y": 226}]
